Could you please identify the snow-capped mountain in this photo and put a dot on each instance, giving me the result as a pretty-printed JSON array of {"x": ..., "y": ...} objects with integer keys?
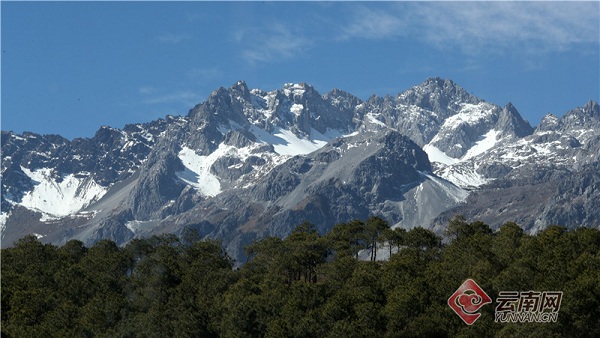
[
  {"x": 247, "y": 163},
  {"x": 548, "y": 177}
]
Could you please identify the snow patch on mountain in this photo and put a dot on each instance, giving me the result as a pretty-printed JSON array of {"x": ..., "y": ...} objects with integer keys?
[
  {"x": 486, "y": 142},
  {"x": 436, "y": 155},
  {"x": 462, "y": 171},
  {"x": 470, "y": 114},
  {"x": 285, "y": 142},
  {"x": 374, "y": 120},
  {"x": 197, "y": 171},
  {"x": 3, "y": 218},
  {"x": 138, "y": 226},
  {"x": 59, "y": 197},
  {"x": 296, "y": 109},
  {"x": 464, "y": 176},
  {"x": 294, "y": 89}
]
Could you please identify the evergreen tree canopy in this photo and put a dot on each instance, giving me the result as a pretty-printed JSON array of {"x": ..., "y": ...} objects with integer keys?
[{"x": 305, "y": 285}]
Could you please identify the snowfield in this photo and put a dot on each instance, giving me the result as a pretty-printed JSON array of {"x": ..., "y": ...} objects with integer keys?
[
  {"x": 486, "y": 142},
  {"x": 436, "y": 155},
  {"x": 197, "y": 170},
  {"x": 60, "y": 196}
]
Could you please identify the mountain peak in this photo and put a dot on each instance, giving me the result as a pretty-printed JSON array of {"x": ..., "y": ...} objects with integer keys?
[
  {"x": 438, "y": 81},
  {"x": 296, "y": 89},
  {"x": 241, "y": 88},
  {"x": 340, "y": 93},
  {"x": 587, "y": 116},
  {"x": 241, "y": 84},
  {"x": 511, "y": 122},
  {"x": 510, "y": 107},
  {"x": 342, "y": 100},
  {"x": 592, "y": 108},
  {"x": 548, "y": 122},
  {"x": 437, "y": 84},
  {"x": 437, "y": 94}
]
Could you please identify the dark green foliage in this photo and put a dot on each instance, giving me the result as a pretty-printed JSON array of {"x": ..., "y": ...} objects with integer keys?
[
  {"x": 305, "y": 285},
  {"x": 374, "y": 234},
  {"x": 347, "y": 238}
]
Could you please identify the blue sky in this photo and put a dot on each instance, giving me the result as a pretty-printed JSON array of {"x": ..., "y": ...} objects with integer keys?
[{"x": 70, "y": 67}]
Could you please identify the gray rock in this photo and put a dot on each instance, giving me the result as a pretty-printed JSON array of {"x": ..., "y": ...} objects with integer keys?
[{"x": 535, "y": 177}]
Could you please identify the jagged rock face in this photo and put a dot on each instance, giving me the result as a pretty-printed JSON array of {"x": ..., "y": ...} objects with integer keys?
[
  {"x": 248, "y": 163},
  {"x": 584, "y": 118},
  {"x": 157, "y": 186},
  {"x": 576, "y": 200},
  {"x": 441, "y": 96},
  {"x": 511, "y": 123},
  {"x": 536, "y": 202},
  {"x": 329, "y": 186},
  {"x": 337, "y": 181},
  {"x": 348, "y": 165},
  {"x": 110, "y": 156},
  {"x": 548, "y": 177}
]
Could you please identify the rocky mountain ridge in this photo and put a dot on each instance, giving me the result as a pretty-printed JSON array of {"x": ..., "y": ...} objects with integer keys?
[{"x": 248, "y": 163}]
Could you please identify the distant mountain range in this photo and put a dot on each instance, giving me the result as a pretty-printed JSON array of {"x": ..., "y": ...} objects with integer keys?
[{"x": 249, "y": 163}]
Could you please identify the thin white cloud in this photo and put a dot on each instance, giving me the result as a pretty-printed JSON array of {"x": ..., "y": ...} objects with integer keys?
[
  {"x": 278, "y": 41},
  {"x": 185, "y": 97},
  {"x": 373, "y": 24},
  {"x": 146, "y": 90},
  {"x": 477, "y": 26},
  {"x": 533, "y": 25}
]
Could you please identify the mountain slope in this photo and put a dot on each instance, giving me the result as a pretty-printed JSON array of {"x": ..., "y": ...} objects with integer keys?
[
  {"x": 248, "y": 163},
  {"x": 326, "y": 187},
  {"x": 549, "y": 177}
]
